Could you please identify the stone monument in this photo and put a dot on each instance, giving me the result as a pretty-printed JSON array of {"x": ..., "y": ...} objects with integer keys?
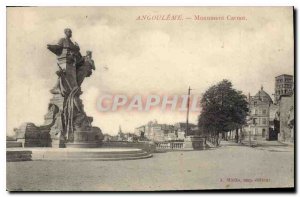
[{"x": 66, "y": 123}]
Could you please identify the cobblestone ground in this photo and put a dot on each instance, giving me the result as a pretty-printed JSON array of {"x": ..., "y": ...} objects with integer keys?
[{"x": 226, "y": 167}]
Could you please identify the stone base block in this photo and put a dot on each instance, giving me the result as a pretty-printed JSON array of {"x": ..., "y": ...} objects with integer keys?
[
  {"x": 195, "y": 142},
  {"x": 22, "y": 141},
  {"x": 188, "y": 144},
  {"x": 56, "y": 143},
  {"x": 86, "y": 139},
  {"x": 94, "y": 134}
]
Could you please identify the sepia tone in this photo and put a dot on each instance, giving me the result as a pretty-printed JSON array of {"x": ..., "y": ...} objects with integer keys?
[{"x": 195, "y": 98}]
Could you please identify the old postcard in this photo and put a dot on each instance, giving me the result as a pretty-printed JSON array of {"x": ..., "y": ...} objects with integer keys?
[{"x": 150, "y": 98}]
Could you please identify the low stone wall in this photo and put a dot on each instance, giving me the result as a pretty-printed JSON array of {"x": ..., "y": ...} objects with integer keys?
[
  {"x": 13, "y": 144},
  {"x": 190, "y": 143},
  {"x": 146, "y": 146}
]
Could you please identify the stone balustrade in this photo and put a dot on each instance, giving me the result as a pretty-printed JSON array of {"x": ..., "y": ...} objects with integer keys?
[{"x": 170, "y": 145}]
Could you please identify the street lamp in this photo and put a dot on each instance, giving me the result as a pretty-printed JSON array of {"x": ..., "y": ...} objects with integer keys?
[
  {"x": 254, "y": 123},
  {"x": 187, "y": 113}
]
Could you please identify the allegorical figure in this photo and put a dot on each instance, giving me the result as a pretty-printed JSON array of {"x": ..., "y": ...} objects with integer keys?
[{"x": 85, "y": 70}]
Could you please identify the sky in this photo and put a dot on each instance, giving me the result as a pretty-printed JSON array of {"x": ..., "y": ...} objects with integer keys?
[{"x": 135, "y": 57}]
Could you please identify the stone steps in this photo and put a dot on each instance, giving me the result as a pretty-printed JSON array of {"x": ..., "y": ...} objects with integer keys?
[
  {"x": 76, "y": 154},
  {"x": 209, "y": 144},
  {"x": 123, "y": 157},
  {"x": 18, "y": 155},
  {"x": 80, "y": 156}
]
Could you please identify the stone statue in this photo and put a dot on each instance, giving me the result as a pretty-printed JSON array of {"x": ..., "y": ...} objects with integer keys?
[
  {"x": 66, "y": 123},
  {"x": 73, "y": 69}
]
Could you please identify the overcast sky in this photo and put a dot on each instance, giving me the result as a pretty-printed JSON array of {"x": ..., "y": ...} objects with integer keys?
[{"x": 144, "y": 57}]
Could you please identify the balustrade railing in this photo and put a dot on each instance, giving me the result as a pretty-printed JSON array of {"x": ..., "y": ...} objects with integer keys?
[{"x": 169, "y": 145}]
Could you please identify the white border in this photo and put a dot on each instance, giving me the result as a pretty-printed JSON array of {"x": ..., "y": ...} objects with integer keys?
[{"x": 149, "y": 3}]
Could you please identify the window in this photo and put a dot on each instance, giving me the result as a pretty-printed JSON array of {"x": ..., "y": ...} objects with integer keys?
[
  {"x": 264, "y": 111},
  {"x": 254, "y": 121},
  {"x": 255, "y": 112},
  {"x": 264, "y": 121}
]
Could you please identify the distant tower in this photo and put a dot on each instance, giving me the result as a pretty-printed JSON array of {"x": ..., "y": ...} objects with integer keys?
[
  {"x": 284, "y": 86},
  {"x": 120, "y": 134}
]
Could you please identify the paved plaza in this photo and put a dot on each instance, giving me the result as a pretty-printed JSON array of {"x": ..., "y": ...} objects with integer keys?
[{"x": 229, "y": 166}]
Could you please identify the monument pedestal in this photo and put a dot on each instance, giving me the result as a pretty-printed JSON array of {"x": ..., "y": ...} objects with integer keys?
[
  {"x": 195, "y": 143},
  {"x": 86, "y": 139},
  {"x": 58, "y": 142},
  {"x": 188, "y": 143}
]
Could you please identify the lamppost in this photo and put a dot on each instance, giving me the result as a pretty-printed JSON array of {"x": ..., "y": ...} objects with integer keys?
[
  {"x": 250, "y": 135},
  {"x": 254, "y": 123},
  {"x": 187, "y": 113}
]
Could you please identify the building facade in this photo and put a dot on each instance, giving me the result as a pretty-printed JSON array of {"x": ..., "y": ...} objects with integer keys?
[
  {"x": 156, "y": 132},
  {"x": 164, "y": 132},
  {"x": 272, "y": 121},
  {"x": 286, "y": 116},
  {"x": 284, "y": 97},
  {"x": 259, "y": 113}
]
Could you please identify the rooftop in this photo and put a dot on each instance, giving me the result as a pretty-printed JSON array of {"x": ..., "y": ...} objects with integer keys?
[
  {"x": 284, "y": 75},
  {"x": 264, "y": 96}
]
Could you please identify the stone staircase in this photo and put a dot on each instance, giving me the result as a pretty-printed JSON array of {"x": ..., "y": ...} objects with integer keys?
[
  {"x": 210, "y": 145},
  {"x": 18, "y": 155}
]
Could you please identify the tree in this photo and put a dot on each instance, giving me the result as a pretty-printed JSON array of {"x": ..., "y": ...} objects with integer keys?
[{"x": 223, "y": 109}]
